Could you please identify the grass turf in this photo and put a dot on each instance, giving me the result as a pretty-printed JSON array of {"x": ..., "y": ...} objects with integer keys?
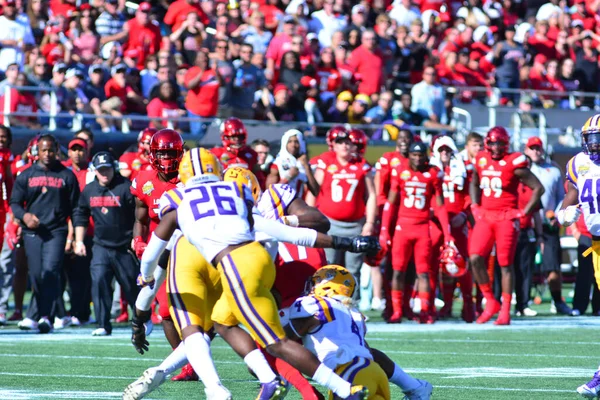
[{"x": 540, "y": 358}]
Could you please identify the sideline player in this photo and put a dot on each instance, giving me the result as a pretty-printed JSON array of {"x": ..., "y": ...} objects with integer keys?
[
  {"x": 583, "y": 197},
  {"x": 133, "y": 162},
  {"x": 494, "y": 204},
  {"x": 335, "y": 332},
  {"x": 416, "y": 187},
  {"x": 165, "y": 153},
  {"x": 247, "y": 271}
]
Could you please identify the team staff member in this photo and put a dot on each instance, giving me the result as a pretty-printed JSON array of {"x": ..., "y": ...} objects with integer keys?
[
  {"x": 108, "y": 200},
  {"x": 43, "y": 197}
]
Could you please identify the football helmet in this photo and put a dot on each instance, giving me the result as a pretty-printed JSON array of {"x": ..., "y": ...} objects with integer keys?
[
  {"x": 500, "y": 136},
  {"x": 359, "y": 138},
  {"x": 590, "y": 138},
  {"x": 452, "y": 263},
  {"x": 144, "y": 139},
  {"x": 32, "y": 148},
  {"x": 233, "y": 128},
  {"x": 333, "y": 133},
  {"x": 332, "y": 280},
  {"x": 170, "y": 143},
  {"x": 198, "y": 166},
  {"x": 243, "y": 176}
]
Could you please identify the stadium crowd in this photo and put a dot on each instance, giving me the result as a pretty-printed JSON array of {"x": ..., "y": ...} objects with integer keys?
[{"x": 322, "y": 61}]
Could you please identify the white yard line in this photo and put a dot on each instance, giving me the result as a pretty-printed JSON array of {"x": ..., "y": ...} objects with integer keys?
[
  {"x": 134, "y": 359},
  {"x": 502, "y": 389},
  {"x": 62, "y": 394}
]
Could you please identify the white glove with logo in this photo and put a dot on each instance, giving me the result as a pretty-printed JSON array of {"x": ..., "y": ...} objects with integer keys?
[{"x": 569, "y": 215}]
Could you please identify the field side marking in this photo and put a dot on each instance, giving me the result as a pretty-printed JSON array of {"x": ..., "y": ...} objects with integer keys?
[
  {"x": 397, "y": 339},
  {"x": 504, "y": 389},
  {"x": 495, "y": 372},
  {"x": 103, "y": 358},
  {"x": 458, "y": 353}
]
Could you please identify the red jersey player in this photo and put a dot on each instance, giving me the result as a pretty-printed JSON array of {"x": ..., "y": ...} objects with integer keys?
[
  {"x": 131, "y": 163},
  {"x": 457, "y": 176},
  {"x": 417, "y": 187},
  {"x": 494, "y": 196},
  {"x": 346, "y": 196},
  {"x": 235, "y": 151},
  {"x": 166, "y": 151}
]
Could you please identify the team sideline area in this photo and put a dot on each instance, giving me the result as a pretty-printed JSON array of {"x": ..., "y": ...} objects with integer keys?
[{"x": 545, "y": 357}]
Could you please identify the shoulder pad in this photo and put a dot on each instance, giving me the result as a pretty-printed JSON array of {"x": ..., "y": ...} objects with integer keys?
[
  {"x": 309, "y": 306},
  {"x": 168, "y": 202}
]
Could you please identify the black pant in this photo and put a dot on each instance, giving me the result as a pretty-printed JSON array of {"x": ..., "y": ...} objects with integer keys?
[
  {"x": 585, "y": 279},
  {"x": 45, "y": 253},
  {"x": 80, "y": 282},
  {"x": 108, "y": 264},
  {"x": 524, "y": 263}
]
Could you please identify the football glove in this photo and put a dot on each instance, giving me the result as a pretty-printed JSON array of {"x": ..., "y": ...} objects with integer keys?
[
  {"x": 143, "y": 282},
  {"x": 357, "y": 244},
  {"x": 12, "y": 235},
  {"x": 385, "y": 241},
  {"x": 569, "y": 215},
  {"x": 139, "y": 246},
  {"x": 138, "y": 336}
]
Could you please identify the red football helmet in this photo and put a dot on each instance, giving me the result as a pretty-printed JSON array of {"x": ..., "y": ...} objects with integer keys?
[
  {"x": 170, "y": 143},
  {"x": 32, "y": 148},
  {"x": 452, "y": 262},
  {"x": 359, "y": 138},
  {"x": 144, "y": 139},
  {"x": 233, "y": 128},
  {"x": 500, "y": 136},
  {"x": 333, "y": 133}
]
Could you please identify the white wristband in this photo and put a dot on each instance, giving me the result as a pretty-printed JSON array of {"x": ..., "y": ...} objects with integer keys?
[{"x": 291, "y": 220}]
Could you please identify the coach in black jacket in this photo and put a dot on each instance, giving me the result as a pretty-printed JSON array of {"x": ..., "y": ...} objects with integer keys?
[
  {"x": 43, "y": 197},
  {"x": 111, "y": 205}
]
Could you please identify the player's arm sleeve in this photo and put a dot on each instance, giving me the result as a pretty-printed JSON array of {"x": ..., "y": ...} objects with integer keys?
[
  {"x": 283, "y": 233},
  {"x": 168, "y": 202},
  {"x": 572, "y": 171}
]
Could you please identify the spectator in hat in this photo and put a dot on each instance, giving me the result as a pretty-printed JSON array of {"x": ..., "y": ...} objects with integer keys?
[
  {"x": 15, "y": 38},
  {"x": 165, "y": 106},
  {"x": 74, "y": 100},
  {"x": 110, "y": 23},
  {"x": 279, "y": 45},
  {"x": 338, "y": 112},
  {"x": 325, "y": 22},
  {"x": 85, "y": 38},
  {"x": 111, "y": 53},
  {"x": 359, "y": 108},
  {"x": 367, "y": 62},
  {"x": 428, "y": 97},
  {"x": 107, "y": 200},
  {"x": 117, "y": 89},
  {"x": 248, "y": 80},
  {"x": 142, "y": 34},
  {"x": 179, "y": 11},
  {"x": 508, "y": 58},
  {"x": 358, "y": 19},
  {"x": 255, "y": 33},
  {"x": 94, "y": 87},
  {"x": 404, "y": 12},
  {"x": 202, "y": 81},
  {"x": 310, "y": 90},
  {"x": 55, "y": 47}
]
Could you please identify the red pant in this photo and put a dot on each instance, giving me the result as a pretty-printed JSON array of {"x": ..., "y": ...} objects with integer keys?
[
  {"x": 409, "y": 238},
  {"x": 489, "y": 230},
  {"x": 163, "y": 301}
]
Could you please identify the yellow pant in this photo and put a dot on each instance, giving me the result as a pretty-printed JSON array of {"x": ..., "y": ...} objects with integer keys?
[
  {"x": 368, "y": 373},
  {"x": 193, "y": 287},
  {"x": 247, "y": 275}
]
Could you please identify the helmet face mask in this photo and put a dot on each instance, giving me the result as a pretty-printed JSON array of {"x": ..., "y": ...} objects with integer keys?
[
  {"x": 144, "y": 139},
  {"x": 166, "y": 151},
  {"x": 331, "y": 281},
  {"x": 497, "y": 142},
  {"x": 233, "y": 134},
  {"x": 359, "y": 139},
  {"x": 591, "y": 145},
  {"x": 333, "y": 133}
]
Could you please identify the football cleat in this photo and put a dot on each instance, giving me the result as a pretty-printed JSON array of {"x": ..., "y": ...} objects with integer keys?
[
  {"x": 422, "y": 392},
  {"x": 17, "y": 316},
  {"x": 61, "y": 323},
  {"x": 100, "y": 332},
  {"x": 124, "y": 317},
  {"x": 491, "y": 308},
  {"x": 274, "y": 390},
  {"x": 44, "y": 325},
  {"x": 187, "y": 374},
  {"x": 503, "y": 319},
  {"x": 147, "y": 383},
  {"x": 219, "y": 392},
  {"x": 396, "y": 318},
  {"x": 27, "y": 324},
  {"x": 591, "y": 390},
  {"x": 563, "y": 309}
]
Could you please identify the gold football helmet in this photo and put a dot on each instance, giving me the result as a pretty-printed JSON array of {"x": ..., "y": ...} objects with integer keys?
[
  {"x": 199, "y": 165},
  {"x": 333, "y": 280},
  {"x": 243, "y": 176}
]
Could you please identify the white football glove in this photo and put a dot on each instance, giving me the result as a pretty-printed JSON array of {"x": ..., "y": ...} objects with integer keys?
[{"x": 569, "y": 215}]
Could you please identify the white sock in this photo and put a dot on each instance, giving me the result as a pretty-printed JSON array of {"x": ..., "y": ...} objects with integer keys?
[
  {"x": 326, "y": 377},
  {"x": 175, "y": 360},
  {"x": 256, "y": 361},
  {"x": 197, "y": 350},
  {"x": 403, "y": 380}
]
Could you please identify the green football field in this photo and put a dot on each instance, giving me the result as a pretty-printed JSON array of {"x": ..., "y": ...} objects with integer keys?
[{"x": 545, "y": 357}]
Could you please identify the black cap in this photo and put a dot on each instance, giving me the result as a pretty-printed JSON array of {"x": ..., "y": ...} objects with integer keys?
[
  {"x": 417, "y": 147},
  {"x": 103, "y": 159}
]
